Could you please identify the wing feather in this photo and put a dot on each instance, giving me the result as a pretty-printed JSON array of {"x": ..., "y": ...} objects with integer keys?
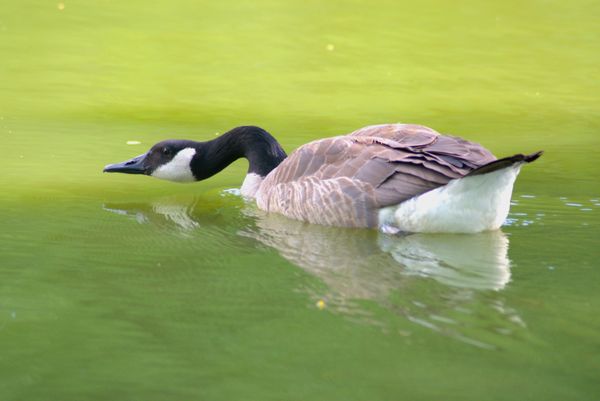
[{"x": 345, "y": 180}]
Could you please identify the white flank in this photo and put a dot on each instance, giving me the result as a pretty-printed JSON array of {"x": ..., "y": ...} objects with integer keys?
[
  {"x": 251, "y": 184},
  {"x": 465, "y": 205},
  {"x": 178, "y": 169}
]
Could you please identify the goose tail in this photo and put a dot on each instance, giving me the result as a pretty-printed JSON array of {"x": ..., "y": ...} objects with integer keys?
[
  {"x": 505, "y": 162},
  {"x": 477, "y": 202}
]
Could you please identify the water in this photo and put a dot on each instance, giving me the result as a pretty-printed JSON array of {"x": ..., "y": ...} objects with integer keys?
[{"x": 124, "y": 287}]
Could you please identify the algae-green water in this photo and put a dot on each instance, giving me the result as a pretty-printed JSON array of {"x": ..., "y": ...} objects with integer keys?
[{"x": 116, "y": 287}]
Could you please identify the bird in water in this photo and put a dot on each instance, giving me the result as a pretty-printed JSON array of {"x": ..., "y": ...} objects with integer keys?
[{"x": 394, "y": 177}]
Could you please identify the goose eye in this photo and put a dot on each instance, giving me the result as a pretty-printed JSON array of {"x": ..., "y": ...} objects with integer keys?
[{"x": 166, "y": 151}]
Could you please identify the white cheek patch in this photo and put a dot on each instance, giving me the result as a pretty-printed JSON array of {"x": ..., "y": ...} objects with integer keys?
[{"x": 178, "y": 169}]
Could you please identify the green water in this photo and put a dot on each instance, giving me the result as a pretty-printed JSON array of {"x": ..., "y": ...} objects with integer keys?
[{"x": 128, "y": 288}]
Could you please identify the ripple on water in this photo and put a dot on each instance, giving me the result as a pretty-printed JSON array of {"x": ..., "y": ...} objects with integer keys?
[
  {"x": 356, "y": 266},
  {"x": 532, "y": 209},
  {"x": 363, "y": 267},
  {"x": 432, "y": 281}
]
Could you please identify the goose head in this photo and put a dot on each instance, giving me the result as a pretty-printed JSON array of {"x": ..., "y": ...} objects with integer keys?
[
  {"x": 188, "y": 161},
  {"x": 172, "y": 160}
]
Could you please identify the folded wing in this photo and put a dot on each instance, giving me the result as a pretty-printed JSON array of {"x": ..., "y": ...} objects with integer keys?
[{"x": 345, "y": 180}]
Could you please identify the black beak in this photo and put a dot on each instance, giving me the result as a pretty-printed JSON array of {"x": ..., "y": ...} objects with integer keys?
[{"x": 132, "y": 166}]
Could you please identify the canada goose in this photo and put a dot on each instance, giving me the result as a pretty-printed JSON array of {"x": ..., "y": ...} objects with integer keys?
[{"x": 396, "y": 177}]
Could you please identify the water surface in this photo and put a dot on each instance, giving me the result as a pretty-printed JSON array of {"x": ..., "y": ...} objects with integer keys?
[{"x": 125, "y": 287}]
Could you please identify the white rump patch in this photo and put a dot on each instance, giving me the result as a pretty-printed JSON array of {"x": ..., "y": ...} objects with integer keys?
[
  {"x": 251, "y": 184},
  {"x": 465, "y": 205},
  {"x": 178, "y": 169}
]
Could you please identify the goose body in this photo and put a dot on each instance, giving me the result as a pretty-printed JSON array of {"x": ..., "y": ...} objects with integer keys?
[{"x": 395, "y": 177}]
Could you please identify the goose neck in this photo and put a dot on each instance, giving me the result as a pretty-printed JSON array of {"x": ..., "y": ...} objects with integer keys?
[{"x": 262, "y": 151}]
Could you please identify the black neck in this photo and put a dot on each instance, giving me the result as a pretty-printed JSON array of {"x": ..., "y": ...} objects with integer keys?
[{"x": 254, "y": 143}]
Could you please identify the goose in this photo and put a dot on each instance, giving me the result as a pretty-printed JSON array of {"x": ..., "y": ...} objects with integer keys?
[{"x": 393, "y": 177}]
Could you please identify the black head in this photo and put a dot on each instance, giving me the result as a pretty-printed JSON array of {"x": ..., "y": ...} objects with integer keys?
[
  {"x": 169, "y": 160},
  {"x": 186, "y": 161}
]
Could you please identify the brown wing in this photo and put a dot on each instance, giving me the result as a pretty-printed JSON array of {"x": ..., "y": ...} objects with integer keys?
[{"x": 345, "y": 180}]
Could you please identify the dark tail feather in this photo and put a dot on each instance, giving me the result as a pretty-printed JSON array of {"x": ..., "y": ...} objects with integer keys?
[{"x": 505, "y": 162}]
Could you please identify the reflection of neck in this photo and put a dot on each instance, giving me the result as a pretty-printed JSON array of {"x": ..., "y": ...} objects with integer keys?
[{"x": 255, "y": 144}]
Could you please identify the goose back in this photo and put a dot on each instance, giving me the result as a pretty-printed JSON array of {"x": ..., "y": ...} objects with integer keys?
[{"x": 345, "y": 180}]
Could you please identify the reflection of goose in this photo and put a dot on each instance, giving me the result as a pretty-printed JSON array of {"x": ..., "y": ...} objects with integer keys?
[
  {"x": 396, "y": 177},
  {"x": 366, "y": 265},
  {"x": 173, "y": 213},
  {"x": 472, "y": 261},
  {"x": 358, "y": 263}
]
